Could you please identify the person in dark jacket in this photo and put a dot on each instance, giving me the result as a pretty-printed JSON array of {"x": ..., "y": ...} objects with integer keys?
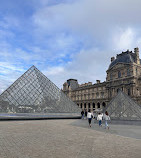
[
  {"x": 86, "y": 114},
  {"x": 82, "y": 114}
]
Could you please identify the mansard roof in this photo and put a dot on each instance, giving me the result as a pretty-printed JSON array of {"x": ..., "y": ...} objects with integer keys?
[{"x": 124, "y": 57}]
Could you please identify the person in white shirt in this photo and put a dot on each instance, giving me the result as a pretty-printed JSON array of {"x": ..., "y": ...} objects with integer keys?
[
  {"x": 99, "y": 118},
  {"x": 89, "y": 116},
  {"x": 106, "y": 118}
]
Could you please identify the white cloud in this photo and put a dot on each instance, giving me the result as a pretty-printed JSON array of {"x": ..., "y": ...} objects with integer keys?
[
  {"x": 54, "y": 71},
  {"x": 91, "y": 18},
  {"x": 8, "y": 74},
  {"x": 89, "y": 31},
  {"x": 124, "y": 39},
  {"x": 7, "y": 65},
  {"x": 85, "y": 67}
]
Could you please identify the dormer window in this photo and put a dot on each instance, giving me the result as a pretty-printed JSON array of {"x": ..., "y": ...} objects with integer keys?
[
  {"x": 136, "y": 71},
  {"x": 128, "y": 72},
  {"x": 111, "y": 76},
  {"x": 128, "y": 91},
  {"x": 119, "y": 74}
]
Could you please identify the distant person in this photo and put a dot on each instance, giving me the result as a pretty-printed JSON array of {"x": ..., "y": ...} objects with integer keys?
[
  {"x": 106, "y": 118},
  {"x": 82, "y": 114},
  {"x": 94, "y": 116},
  {"x": 86, "y": 114},
  {"x": 89, "y": 116},
  {"x": 99, "y": 118}
]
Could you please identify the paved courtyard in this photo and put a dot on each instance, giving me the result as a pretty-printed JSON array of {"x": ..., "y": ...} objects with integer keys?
[{"x": 67, "y": 139}]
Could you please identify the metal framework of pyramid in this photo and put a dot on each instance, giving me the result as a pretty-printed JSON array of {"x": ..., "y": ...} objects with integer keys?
[
  {"x": 33, "y": 92},
  {"x": 122, "y": 107}
]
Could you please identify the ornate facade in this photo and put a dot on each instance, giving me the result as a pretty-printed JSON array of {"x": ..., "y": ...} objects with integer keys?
[{"x": 124, "y": 73}]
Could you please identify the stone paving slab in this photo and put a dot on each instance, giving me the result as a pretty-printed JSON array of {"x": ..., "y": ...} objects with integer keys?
[
  {"x": 133, "y": 131},
  {"x": 62, "y": 139}
]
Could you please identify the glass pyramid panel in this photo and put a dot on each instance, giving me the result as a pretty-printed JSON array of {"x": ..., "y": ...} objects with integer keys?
[
  {"x": 33, "y": 92},
  {"x": 124, "y": 108}
]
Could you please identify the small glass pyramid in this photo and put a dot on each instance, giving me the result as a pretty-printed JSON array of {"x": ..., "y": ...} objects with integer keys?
[
  {"x": 33, "y": 92},
  {"x": 122, "y": 107}
]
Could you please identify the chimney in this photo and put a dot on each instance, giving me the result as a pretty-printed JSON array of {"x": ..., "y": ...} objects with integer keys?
[
  {"x": 97, "y": 81},
  {"x": 137, "y": 59},
  {"x": 112, "y": 59}
]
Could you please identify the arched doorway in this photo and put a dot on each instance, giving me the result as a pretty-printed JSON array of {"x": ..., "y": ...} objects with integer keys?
[
  {"x": 93, "y": 106},
  {"x": 81, "y": 105},
  {"x": 89, "y": 106},
  {"x": 98, "y": 105},
  {"x": 104, "y": 104},
  {"x": 129, "y": 91},
  {"x": 85, "y": 105}
]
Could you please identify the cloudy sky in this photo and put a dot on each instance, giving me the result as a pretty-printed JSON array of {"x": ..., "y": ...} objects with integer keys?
[{"x": 65, "y": 38}]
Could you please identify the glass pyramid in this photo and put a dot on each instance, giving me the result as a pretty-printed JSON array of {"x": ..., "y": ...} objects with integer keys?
[
  {"x": 33, "y": 92},
  {"x": 122, "y": 107}
]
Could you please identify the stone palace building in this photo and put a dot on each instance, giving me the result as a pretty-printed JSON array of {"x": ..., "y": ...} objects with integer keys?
[{"x": 124, "y": 73}]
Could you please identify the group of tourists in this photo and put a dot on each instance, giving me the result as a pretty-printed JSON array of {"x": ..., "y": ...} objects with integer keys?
[{"x": 89, "y": 115}]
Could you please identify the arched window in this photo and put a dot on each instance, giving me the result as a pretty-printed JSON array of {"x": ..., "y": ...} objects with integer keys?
[
  {"x": 81, "y": 105},
  {"x": 118, "y": 90},
  {"x": 97, "y": 95},
  {"x": 102, "y": 94},
  {"x": 93, "y": 95},
  {"x": 98, "y": 105},
  {"x": 119, "y": 74},
  {"x": 89, "y": 105},
  {"x": 93, "y": 105},
  {"x": 110, "y": 93},
  {"x": 103, "y": 104},
  {"x": 111, "y": 76},
  {"x": 85, "y": 105},
  {"x": 129, "y": 91},
  {"x": 136, "y": 71}
]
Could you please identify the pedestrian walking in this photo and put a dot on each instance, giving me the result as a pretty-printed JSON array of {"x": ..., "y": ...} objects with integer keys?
[
  {"x": 106, "y": 118},
  {"x": 99, "y": 118},
  {"x": 86, "y": 113},
  {"x": 82, "y": 114},
  {"x": 94, "y": 117},
  {"x": 89, "y": 116}
]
